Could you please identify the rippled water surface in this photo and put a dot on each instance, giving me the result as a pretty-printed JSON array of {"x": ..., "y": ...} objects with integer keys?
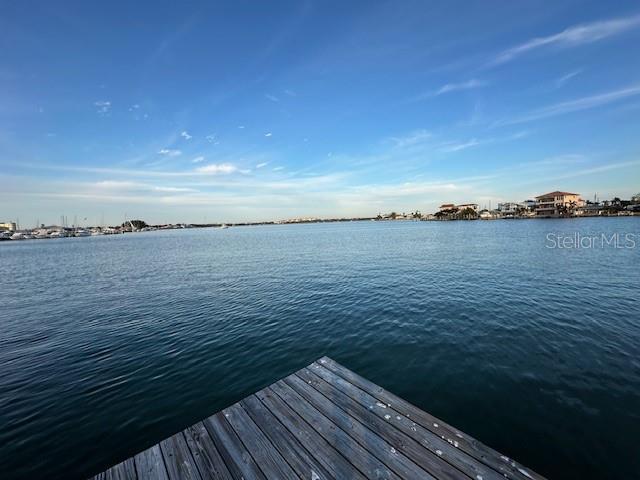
[{"x": 109, "y": 344}]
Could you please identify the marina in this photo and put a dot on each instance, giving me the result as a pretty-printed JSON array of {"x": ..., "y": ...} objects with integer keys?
[{"x": 323, "y": 421}]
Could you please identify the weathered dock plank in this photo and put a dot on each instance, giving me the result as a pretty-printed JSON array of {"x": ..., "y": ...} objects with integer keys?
[
  {"x": 150, "y": 465},
  {"x": 178, "y": 458},
  {"x": 207, "y": 459},
  {"x": 294, "y": 453},
  {"x": 360, "y": 457},
  {"x": 330, "y": 458},
  {"x": 467, "y": 444},
  {"x": 378, "y": 416},
  {"x": 368, "y": 439},
  {"x": 261, "y": 449},
  {"x": 240, "y": 462},
  {"x": 321, "y": 422}
]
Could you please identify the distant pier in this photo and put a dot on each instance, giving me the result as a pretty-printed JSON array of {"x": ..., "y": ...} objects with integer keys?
[{"x": 324, "y": 421}]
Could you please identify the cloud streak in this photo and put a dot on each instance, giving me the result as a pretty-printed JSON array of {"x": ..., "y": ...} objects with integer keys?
[
  {"x": 565, "y": 78},
  {"x": 217, "y": 169},
  {"x": 451, "y": 87},
  {"x": 575, "y": 105},
  {"x": 570, "y": 37},
  {"x": 169, "y": 152},
  {"x": 416, "y": 137},
  {"x": 456, "y": 147}
]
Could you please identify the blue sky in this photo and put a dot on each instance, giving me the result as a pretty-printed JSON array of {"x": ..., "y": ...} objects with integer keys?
[{"x": 254, "y": 111}]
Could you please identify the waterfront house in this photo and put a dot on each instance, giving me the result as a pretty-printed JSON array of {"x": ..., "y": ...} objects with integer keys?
[
  {"x": 464, "y": 206},
  {"x": 447, "y": 207},
  {"x": 556, "y": 204},
  {"x": 510, "y": 209}
]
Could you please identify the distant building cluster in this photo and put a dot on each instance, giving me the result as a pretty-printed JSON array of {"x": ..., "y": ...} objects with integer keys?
[{"x": 555, "y": 204}]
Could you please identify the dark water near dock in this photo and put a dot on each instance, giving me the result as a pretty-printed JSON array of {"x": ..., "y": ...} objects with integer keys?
[{"x": 109, "y": 344}]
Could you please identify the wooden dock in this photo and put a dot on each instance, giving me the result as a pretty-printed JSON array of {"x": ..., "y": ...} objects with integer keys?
[{"x": 321, "y": 422}]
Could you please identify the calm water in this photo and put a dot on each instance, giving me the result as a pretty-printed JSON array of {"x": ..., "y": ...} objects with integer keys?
[{"x": 108, "y": 344}]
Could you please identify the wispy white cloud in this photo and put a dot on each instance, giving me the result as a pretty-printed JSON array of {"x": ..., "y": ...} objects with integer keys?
[
  {"x": 291, "y": 93},
  {"x": 123, "y": 185},
  {"x": 262, "y": 164},
  {"x": 186, "y": 135},
  {"x": 412, "y": 138},
  {"x": 574, "y": 105},
  {"x": 215, "y": 169},
  {"x": 241, "y": 127},
  {"x": 573, "y": 172},
  {"x": 452, "y": 87},
  {"x": 599, "y": 169},
  {"x": 565, "y": 78},
  {"x": 103, "y": 106},
  {"x": 273, "y": 98},
  {"x": 456, "y": 147},
  {"x": 563, "y": 159},
  {"x": 277, "y": 169},
  {"x": 169, "y": 152},
  {"x": 173, "y": 189},
  {"x": 198, "y": 159},
  {"x": 115, "y": 184},
  {"x": 450, "y": 147},
  {"x": 134, "y": 107},
  {"x": 268, "y": 134},
  {"x": 570, "y": 37}
]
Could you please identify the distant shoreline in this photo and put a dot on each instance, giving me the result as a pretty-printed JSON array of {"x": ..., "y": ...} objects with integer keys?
[{"x": 32, "y": 234}]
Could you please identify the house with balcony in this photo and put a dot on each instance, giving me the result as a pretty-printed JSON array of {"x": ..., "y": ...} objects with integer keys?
[
  {"x": 558, "y": 204},
  {"x": 447, "y": 207},
  {"x": 464, "y": 206},
  {"x": 509, "y": 209}
]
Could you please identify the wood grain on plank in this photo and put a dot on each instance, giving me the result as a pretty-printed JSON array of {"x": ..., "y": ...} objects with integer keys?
[
  {"x": 387, "y": 453},
  {"x": 123, "y": 471},
  {"x": 178, "y": 459},
  {"x": 322, "y": 450},
  {"x": 272, "y": 464},
  {"x": 466, "y": 443},
  {"x": 434, "y": 453},
  {"x": 289, "y": 447},
  {"x": 209, "y": 462},
  {"x": 237, "y": 458},
  {"x": 150, "y": 465},
  {"x": 359, "y": 456}
]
